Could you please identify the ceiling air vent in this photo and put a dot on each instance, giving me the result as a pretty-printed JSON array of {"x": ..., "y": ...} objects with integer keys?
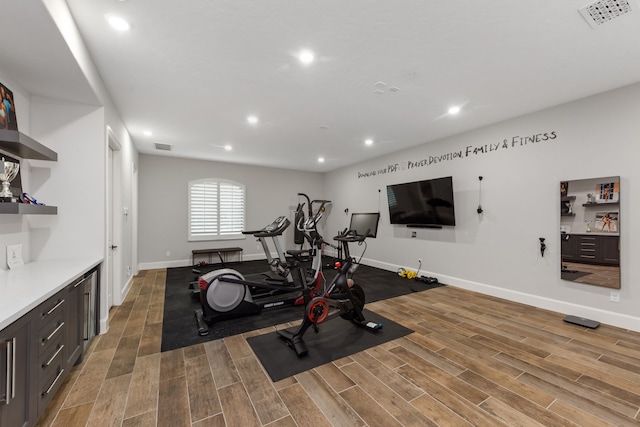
[
  {"x": 603, "y": 11},
  {"x": 165, "y": 147}
]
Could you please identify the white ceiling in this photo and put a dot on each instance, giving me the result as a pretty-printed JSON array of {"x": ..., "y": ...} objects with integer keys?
[{"x": 191, "y": 71}]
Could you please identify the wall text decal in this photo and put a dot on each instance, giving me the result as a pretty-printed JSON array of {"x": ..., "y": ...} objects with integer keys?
[{"x": 468, "y": 151}]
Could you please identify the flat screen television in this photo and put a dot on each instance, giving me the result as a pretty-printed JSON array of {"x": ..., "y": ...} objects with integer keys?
[
  {"x": 361, "y": 222},
  {"x": 427, "y": 203}
]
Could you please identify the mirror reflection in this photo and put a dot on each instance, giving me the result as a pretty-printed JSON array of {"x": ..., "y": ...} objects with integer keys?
[{"x": 590, "y": 231}]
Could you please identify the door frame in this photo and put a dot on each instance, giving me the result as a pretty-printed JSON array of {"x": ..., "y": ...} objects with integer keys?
[{"x": 113, "y": 229}]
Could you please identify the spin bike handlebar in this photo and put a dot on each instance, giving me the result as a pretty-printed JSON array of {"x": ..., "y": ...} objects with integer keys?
[{"x": 350, "y": 236}]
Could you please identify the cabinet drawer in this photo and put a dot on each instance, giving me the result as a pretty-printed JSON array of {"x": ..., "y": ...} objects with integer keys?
[
  {"x": 50, "y": 383},
  {"x": 51, "y": 334},
  {"x": 49, "y": 309},
  {"x": 50, "y": 364}
]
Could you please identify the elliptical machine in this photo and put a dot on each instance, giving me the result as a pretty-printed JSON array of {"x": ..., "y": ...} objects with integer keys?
[
  {"x": 280, "y": 273},
  {"x": 226, "y": 293},
  {"x": 344, "y": 298}
]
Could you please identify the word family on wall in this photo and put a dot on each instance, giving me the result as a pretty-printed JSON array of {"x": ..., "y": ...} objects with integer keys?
[{"x": 468, "y": 152}]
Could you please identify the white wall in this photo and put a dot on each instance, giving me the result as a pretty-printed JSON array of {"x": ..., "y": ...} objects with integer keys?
[
  {"x": 163, "y": 204},
  {"x": 498, "y": 252},
  {"x": 73, "y": 183}
]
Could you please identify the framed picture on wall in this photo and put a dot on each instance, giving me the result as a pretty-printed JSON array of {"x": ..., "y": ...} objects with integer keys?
[
  {"x": 564, "y": 188},
  {"x": 606, "y": 222},
  {"x": 8, "y": 118},
  {"x": 608, "y": 192}
]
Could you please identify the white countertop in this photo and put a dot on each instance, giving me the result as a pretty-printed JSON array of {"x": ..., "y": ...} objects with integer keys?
[
  {"x": 595, "y": 233},
  {"x": 24, "y": 288}
]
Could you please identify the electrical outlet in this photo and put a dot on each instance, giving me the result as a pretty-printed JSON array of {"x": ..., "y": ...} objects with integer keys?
[
  {"x": 419, "y": 260},
  {"x": 168, "y": 253},
  {"x": 614, "y": 296},
  {"x": 414, "y": 234},
  {"x": 128, "y": 270}
]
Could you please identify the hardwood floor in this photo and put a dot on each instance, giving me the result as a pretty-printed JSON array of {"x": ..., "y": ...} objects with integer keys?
[{"x": 472, "y": 360}]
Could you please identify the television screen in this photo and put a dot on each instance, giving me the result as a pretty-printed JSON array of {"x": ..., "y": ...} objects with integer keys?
[
  {"x": 428, "y": 202},
  {"x": 361, "y": 222}
]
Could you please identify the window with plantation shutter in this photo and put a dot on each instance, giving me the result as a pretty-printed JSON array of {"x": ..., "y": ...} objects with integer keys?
[{"x": 216, "y": 209}]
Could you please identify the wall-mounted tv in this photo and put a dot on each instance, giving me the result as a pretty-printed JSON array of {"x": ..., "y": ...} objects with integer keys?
[
  {"x": 427, "y": 203},
  {"x": 361, "y": 222}
]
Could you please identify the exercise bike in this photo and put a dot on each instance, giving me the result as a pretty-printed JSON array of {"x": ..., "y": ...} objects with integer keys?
[
  {"x": 343, "y": 299},
  {"x": 226, "y": 293}
]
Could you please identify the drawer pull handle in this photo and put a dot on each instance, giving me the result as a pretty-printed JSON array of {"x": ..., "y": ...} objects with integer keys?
[
  {"x": 13, "y": 367},
  {"x": 53, "y": 333},
  {"x": 54, "y": 308},
  {"x": 54, "y": 356},
  {"x": 53, "y": 383},
  {"x": 11, "y": 371},
  {"x": 8, "y": 385}
]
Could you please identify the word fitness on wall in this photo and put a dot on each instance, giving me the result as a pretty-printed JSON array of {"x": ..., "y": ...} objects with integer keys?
[{"x": 468, "y": 151}]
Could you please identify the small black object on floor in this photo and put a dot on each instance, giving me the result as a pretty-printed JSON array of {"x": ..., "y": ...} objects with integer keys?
[
  {"x": 179, "y": 328},
  {"x": 336, "y": 339},
  {"x": 593, "y": 324}
]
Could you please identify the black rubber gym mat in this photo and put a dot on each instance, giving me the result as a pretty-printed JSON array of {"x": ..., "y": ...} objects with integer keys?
[
  {"x": 336, "y": 338},
  {"x": 179, "y": 328}
]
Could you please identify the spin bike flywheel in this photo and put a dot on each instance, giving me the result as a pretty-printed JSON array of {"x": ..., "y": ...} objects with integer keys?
[{"x": 317, "y": 310}]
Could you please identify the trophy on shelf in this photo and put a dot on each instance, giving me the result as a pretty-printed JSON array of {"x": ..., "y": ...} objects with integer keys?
[{"x": 8, "y": 171}]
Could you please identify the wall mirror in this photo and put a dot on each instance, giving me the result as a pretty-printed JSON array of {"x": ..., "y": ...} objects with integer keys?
[{"x": 590, "y": 231}]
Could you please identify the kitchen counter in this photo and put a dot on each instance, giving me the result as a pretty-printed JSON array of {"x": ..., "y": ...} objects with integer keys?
[
  {"x": 24, "y": 288},
  {"x": 595, "y": 233}
]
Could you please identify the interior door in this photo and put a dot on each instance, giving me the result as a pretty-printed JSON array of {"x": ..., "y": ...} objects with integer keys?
[{"x": 110, "y": 232}]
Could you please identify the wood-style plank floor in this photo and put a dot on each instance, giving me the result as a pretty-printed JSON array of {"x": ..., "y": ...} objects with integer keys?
[{"x": 472, "y": 360}]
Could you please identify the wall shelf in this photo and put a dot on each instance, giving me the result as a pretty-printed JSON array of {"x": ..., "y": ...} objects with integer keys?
[
  {"x": 27, "y": 209},
  {"x": 20, "y": 145},
  {"x": 23, "y": 146},
  {"x": 599, "y": 205}
]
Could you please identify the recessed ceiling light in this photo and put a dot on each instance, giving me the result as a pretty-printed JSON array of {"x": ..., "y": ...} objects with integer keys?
[
  {"x": 320, "y": 159},
  {"x": 147, "y": 133},
  {"x": 454, "y": 110},
  {"x": 228, "y": 147},
  {"x": 252, "y": 119},
  {"x": 306, "y": 57},
  {"x": 368, "y": 141},
  {"x": 118, "y": 23}
]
